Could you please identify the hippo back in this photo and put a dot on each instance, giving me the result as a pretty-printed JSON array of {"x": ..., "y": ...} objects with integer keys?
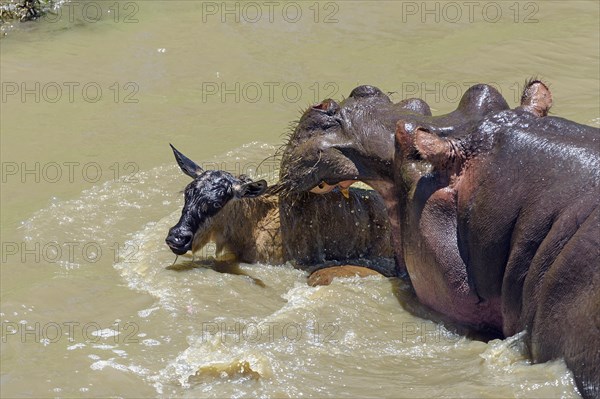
[{"x": 534, "y": 236}]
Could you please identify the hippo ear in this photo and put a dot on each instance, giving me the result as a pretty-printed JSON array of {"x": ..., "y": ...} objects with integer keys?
[
  {"x": 328, "y": 106},
  {"x": 252, "y": 189},
  {"x": 429, "y": 145},
  {"x": 405, "y": 147},
  {"x": 536, "y": 98},
  {"x": 187, "y": 166},
  {"x": 442, "y": 153}
]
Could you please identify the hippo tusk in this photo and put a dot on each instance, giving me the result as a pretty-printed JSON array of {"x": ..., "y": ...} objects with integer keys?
[
  {"x": 324, "y": 188},
  {"x": 344, "y": 187}
]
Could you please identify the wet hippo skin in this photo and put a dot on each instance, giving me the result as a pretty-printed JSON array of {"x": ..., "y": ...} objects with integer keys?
[{"x": 496, "y": 220}]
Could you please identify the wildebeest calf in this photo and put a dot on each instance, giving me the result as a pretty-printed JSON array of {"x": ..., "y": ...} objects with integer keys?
[{"x": 312, "y": 231}]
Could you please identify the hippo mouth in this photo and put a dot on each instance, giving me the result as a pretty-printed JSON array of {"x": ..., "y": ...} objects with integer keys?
[
  {"x": 343, "y": 187},
  {"x": 318, "y": 177}
]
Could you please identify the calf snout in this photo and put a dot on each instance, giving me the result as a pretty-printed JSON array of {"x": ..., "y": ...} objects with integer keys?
[{"x": 179, "y": 241}]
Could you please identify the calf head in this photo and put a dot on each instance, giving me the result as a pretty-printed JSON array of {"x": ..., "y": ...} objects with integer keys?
[{"x": 204, "y": 197}]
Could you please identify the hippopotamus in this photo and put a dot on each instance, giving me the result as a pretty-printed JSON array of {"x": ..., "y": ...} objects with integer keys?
[
  {"x": 335, "y": 145},
  {"x": 497, "y": 221},
  {"x": 309, "y": 230},
  {"x": 504, "y": 232}
]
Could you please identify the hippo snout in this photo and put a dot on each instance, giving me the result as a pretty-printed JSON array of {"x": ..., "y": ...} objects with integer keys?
[{"x": 179, "y": 242}]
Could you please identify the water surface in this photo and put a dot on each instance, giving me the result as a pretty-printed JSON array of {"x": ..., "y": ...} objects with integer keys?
[{"x": 84, "y": 265}]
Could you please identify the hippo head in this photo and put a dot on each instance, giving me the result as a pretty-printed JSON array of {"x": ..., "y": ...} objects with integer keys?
[
  {"x": 204, "y": 197},
  {"x": 338, "y": 144},
  {"x": 335, "y": 145},
  {"x": 447, "y": 156}
]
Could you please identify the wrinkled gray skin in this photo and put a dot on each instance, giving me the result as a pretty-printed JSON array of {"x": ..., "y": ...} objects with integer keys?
[
  {"x": 312, "y": 231},
  {"x": 354, "y": 140},
  {"x": 497, "y": 220}
]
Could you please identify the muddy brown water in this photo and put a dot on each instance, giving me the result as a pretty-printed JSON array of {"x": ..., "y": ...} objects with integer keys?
[{"x": 90, "y": 100}]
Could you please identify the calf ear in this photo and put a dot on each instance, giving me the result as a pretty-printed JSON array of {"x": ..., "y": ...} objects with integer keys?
[
  {"x": 536, "y": 98},
  {"x": 252, "y": 189},
  {"x": 187, "y": 166}
]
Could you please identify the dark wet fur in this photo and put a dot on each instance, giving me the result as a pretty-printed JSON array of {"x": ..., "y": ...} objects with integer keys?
[{"x": 204, "y": 198}]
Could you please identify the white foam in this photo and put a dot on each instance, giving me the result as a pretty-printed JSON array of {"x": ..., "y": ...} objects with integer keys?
[
  {"x": 146, "y": 312},
  {"x": 105, "y": 333}
]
